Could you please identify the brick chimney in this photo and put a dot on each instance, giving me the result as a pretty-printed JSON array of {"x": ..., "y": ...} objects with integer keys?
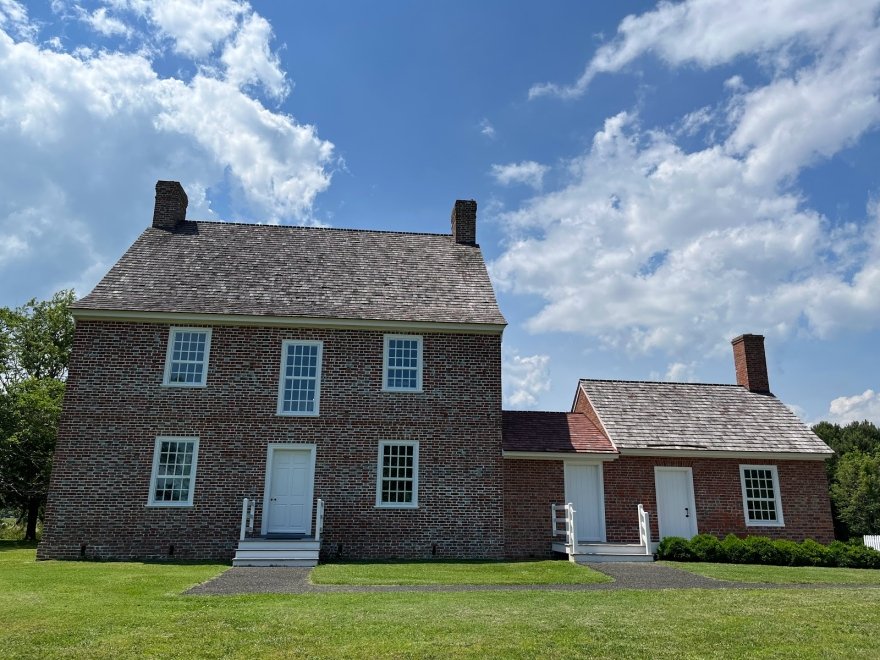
[
  {"x": 464, "y": 221},
  {"x": 750, "y": 363},
  {"x": 171, "y": 201}
]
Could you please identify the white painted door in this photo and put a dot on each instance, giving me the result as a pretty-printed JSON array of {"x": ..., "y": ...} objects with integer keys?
[
  {"x": 676, "y": 513},
  {"x": 290, "y": 492},
  {"x": 584, "y": 489}
]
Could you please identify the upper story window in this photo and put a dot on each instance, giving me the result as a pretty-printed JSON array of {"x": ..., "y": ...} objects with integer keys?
[
  {"x": 402, "y": 370},
  {"x": 299, "y": 388},
  {"x": 186, "y": 363},
  {"x": 174, "y": 471},
  {"x": 762, "y": 504},
  {"x": 397, "y": 483}
]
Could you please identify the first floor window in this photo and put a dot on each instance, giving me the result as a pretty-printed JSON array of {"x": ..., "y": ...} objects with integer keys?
[
  {"x": 299, "y": 391},
  {"x": 398, "y": 475},
  {"x": 186, "y": 363},
  {"x": 402, "y": 371},
  {"x": 760, "y": 489},
  {"x": 174, "y": 471}
]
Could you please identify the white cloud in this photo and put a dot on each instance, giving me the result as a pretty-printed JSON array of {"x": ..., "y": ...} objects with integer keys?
[
  {"x": 527, "y": 172},
  {"x": 103, "y": 23},
  {"x": 653, "y": 247},
  {"x": 14, "y": 18},
  {"x": 92, "y": 131},
  {"x": 487, "y": 129},
  {"x": 864, "y": 406},
  {"x": 525, "y": 378},
  {"x": 681, "y": 372},
  {"x": 249, "y": 60}
]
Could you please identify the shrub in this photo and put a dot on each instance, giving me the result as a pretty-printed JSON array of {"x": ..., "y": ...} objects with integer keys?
[
  {"x": 761, "y": 550},
  {"x": 814, "y": 554},
  {"x": 707, "y": 548},
  {"x": 838, "y": 552},
  {"x": 675, "y": 548},
  {"x": 861, "y": 556},
  {"x": 790, "y": 553},
  {"x": 734, "y": 549}
]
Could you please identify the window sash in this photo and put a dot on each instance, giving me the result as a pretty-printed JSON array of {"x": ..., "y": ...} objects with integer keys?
[
  {"x": 186, "y": 360},
  {"x": 397, "y": 477},
  {"x": 762, "y": 504},
  {"x": 402, "y": 363},
  {"x": 172, "y": 482},
  {"x": 299, "y": 386}
]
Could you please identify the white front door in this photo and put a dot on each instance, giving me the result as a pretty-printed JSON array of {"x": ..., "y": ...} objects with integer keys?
[
  {"x": 676, "y": 512},
  {"x": 584, "y": 489},
  {"x": 289, "y": 491}
]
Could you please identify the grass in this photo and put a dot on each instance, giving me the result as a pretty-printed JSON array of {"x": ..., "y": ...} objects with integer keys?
[
  {"x": 781, "y": 574},
  {"x": 459, "y": 572},
  {"x": 120, "y": 610}
]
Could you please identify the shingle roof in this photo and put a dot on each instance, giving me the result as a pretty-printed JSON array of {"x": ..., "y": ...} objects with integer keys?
[
  {"x": 552, "y": 432},
  {"x": 645, "y": 415},
  {"x": 227, "y": 268}
]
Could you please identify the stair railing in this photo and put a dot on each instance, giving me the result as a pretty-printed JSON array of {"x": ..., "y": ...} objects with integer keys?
[
  {"x": 319, "y": 519},
  {"x": 248, "y": 512},
  {"x": 563, "y": 523},
  {"x": 645, "y": 529}
]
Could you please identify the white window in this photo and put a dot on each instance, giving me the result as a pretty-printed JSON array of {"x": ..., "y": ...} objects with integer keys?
[
  {"x": 397, "y": 481},
  {"x": 186, "y": 363},
  {"x": 402, "y": 371},
  {"x": 299, "y": 387},
  {"x": 762, "y": 504},
  {"x": 174, "y": 471}
]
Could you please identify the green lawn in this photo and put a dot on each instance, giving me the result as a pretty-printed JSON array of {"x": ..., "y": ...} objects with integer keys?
[
  {"x": 119, "y": 610},
  {"x": 780, "y": 574},
  {"x": 441, "y": 572}
]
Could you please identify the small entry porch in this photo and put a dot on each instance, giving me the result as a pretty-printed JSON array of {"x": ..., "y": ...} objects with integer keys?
[
  {"x": 581, "y": 551},
  {"x": 298, "y": 550}
]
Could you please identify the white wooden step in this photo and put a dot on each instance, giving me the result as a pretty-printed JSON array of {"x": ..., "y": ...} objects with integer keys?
[
  {"x": 595, "y": 558},
  {"x": 299, "y": 563},
  {"x": 278, "y": 544},
  {"x": 609, "y": 548},
  {"x": 276, "y": 554}
]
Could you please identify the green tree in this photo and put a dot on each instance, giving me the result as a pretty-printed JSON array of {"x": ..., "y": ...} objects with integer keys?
[
  {"x": 856, "y": 436},
  {"x": 35, "y": 343},
  {"x": 855, "y": 492}
]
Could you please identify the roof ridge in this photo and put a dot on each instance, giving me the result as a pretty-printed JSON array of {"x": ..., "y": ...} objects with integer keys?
[
  {"x": 340, "y": 229},
  {"x": 655, "y": 382}
]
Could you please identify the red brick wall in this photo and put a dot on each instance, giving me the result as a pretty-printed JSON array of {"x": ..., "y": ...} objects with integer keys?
[
  {"x": 803, "y": 487},
  {"x": 115, "y": 407},
  {"x": 530, "y": 487}
]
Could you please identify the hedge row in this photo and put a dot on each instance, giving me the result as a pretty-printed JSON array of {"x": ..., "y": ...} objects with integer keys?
[{"x": 762, "y": 550}]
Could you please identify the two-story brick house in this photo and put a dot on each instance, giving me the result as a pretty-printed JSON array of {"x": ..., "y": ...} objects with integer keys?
[{"x": 270, "y": 391}]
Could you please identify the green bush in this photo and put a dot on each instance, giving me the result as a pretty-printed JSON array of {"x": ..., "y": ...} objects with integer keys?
[
  {"x": 675, "y": 548},
  {"x": 763, "y": 550},
  {"x": 708, "y": 548}
]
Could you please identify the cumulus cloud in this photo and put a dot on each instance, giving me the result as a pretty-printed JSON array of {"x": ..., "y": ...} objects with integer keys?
[
  {"x": 525, "y": 378},
  {"x": 92, "y": 131},
  {"x": 102, "y": 22},
  {"x": 857, "y": 408},
  {"x": 528, "y": 172},
  {"x": 651, "y": 246}
]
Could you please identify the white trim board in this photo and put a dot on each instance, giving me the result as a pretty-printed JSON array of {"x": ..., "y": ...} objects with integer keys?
[
  {"x": 717, "y": 453},
  {"x": 287, "y": 321},
  {"x": 166, "y": 377},
  {"x": 777, "y": 496},
  {"x": 270, "y": 451},
  {"x": 579, "y": 457}
]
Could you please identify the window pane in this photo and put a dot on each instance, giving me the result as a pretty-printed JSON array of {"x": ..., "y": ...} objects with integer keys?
[
  {"x": 188, "y": 354},
  {"x": 300, "y": 382},
  {"x": 174, "y": 471}
]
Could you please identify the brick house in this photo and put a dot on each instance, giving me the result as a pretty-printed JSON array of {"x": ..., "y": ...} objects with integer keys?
[{"x": 271, "y": 392}]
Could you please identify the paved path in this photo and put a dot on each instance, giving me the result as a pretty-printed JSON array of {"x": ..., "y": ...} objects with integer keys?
[{"x": 627, "y": 575}]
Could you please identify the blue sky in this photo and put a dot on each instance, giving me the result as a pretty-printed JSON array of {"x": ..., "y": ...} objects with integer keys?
[{"x": 652, "y": 180}]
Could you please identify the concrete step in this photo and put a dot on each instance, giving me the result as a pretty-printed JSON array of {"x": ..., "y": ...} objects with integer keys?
[
  {"x": 279, "y": 544},
  {"x": 595, "y": 558},
  {"x": 293, "y": 563},
  {"x": 585, "y": 548},
  {"x": 276, "y": 554}
]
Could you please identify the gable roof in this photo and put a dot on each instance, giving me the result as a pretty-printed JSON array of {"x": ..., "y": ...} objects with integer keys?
[
  {"x": 269, "y": 270},
  {"x": 691, "y": 416},
  {"x": 552, "y": 432}
]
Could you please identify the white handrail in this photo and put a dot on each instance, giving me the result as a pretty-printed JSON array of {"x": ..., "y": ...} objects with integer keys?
[
  {"x": 567, "y": 527},
  {"x": 248, "y": 510},
  {"x": 251, "y": 516},
  {"x": 645, "y": 529},
  {"x": 319, "y": 519},
  {"x": 244, "y": 518}
]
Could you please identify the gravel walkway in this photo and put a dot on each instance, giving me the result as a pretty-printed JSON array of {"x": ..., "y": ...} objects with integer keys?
[{"x": 627, "y": 575}]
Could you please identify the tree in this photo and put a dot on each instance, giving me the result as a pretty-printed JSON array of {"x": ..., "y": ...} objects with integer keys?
[
  {"x": 860, "y": 439},
  {"x": 35, "y": 343},
  {"x": 855, "y": 492}
]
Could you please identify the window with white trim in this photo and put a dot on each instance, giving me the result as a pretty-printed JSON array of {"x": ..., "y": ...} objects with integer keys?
[
  {"x": 186, "y": 362},
  {"x": 174, "y": 471},
  {"x": 299, "y": 387},
  {"x": 397, "y": 483},
  {"x": 762, "y": 505},
  {"x": 402, "y": 364}
]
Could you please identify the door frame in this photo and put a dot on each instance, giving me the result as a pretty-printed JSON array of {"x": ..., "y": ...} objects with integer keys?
[
  {"x": 267, "y": 485},
  {"x": 603, "y": 537},
  {"x": 690, "y": 485}
]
